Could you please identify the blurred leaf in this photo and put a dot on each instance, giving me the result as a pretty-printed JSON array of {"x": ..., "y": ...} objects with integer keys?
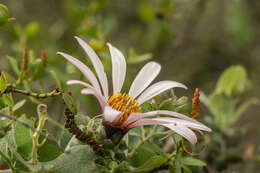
[
  {"x": 81, "y": 159},
  {"x": 222, "y": 108},
  {"x": 152, "y": 163},
  {"x": 19, "y": 105},
  {"x": 135, "y": 59},
  {"x": 204, "y": 99},
  {"x": 55, "y": 77},
  {"x": 8, "y": 99},
  {"x": 48, "y": 151},
  {"x": 69, "y": 101},
  {"x": 3, "y": 83},
  {"x": 190, "y": 161},
  {"x": 14, "y": 65},
  {"x": 4, "y": 15},
  {"x": 232, "y": 81},
  {"x": 23, "y": 138},
  {"x": 32, "y": 29},
  {"x": 10, "y": 78},
  {"x": 243, "y": 107}
]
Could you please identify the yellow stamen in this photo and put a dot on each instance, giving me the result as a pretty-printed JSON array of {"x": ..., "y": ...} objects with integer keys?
[{"x": 124, "y": 103}]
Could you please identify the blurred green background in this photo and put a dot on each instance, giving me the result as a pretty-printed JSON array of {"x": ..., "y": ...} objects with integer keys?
[{"x": 193, "y": 40}]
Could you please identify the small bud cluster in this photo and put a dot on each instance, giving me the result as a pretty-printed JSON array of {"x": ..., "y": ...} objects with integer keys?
[{"x": 196, "y": 104}]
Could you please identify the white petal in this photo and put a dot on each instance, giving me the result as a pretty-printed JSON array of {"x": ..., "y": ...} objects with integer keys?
[
  {"x": 84, "y": 69},
  {"x": 183, "y": 131},
  {"x": 146, "y": 75},
  {"x": 110, "y": 114},
  {"x": 77, "y": 82},
  {"x": 186, "y": 123},
  {"x": 101, "y": 99},
  {"x": 158, "y": 88},
  {"x": 118, "y": 68},
  {"x": 97, "y": 65}
]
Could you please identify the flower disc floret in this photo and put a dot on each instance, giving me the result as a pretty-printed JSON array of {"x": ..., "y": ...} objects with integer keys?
[{"x": 124, "y": 103}]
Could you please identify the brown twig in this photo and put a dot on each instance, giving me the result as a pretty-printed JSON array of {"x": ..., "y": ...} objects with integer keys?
[{"x": 80, "y": 135}]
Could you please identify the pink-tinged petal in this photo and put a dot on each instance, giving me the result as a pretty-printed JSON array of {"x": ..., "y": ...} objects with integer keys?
[
  {"x": 101, "y": 99},
  {"x": 158, "y": 88},
  {"x": 97, "y": 65},
  {"x": 183, "y": 131},
  {"x": 77, "y": 82},
  {"x": 144, "y": 122},
  {"x": 176, "y": 127},
  {"x": 111, "y": 115},
  {"x": 136, "y": 116},
  {"x": 192, "y": 125},
  {"x": 118, "y": 68},
  {"x": 84, "y": 69},
  {"x": 145, "y": 76}
]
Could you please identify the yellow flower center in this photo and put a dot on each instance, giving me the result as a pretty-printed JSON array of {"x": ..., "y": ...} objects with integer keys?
[{"x": 124, "y": 103}]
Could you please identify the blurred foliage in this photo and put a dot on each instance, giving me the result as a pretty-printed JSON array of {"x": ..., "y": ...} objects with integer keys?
[
  {"x": 193, "y": 40},
  {"x": 227, "y": 104}
]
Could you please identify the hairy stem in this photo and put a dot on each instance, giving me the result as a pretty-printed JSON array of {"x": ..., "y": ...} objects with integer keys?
[{"x": 55, "y": 92}]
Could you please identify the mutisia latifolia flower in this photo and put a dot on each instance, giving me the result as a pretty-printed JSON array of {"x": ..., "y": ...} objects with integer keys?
[{"x": 122, "y": 111}]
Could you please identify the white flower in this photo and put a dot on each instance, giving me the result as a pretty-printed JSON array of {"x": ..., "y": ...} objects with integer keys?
[{"x": 122, "y": 110}]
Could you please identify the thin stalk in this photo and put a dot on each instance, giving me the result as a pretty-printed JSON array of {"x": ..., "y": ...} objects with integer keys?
[
  {"x": 35, "y": 139},
  {"x": 33, "y": 129},
  {"x": 7, "y": 160}
]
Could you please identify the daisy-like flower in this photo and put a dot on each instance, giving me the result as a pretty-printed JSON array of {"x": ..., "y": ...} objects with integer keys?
[{"x": 122, "y": 111}]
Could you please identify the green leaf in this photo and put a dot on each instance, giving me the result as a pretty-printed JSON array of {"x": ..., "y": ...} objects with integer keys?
[
  {"x": 23, "y": 138},
  {"x": 82, "y": 119},
  {"x": 8, "y": 99},
  {"x": 142, "y": 155},
  {"x": 48, "y": 151},
  {"x": 232, "y": 81},
  {"x": 55, "y": 77},
  {"x": 14, "y": 65},
  {"x": 152, "y": 163},
  {"x": 19, "y": 105},
  {"x": 222, "y": 108},
  {"x": 80, "y": 159},
  {"x": 69, "y": 101},
  {"x": 243, "y": 107},
  {"x": 190, "y": 161},
  {"x": 65, "y": 138},
  {"x": 3, "y": 83}
]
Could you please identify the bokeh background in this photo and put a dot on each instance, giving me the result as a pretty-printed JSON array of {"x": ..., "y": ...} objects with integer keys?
[{"x": 193, "y": 40}]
